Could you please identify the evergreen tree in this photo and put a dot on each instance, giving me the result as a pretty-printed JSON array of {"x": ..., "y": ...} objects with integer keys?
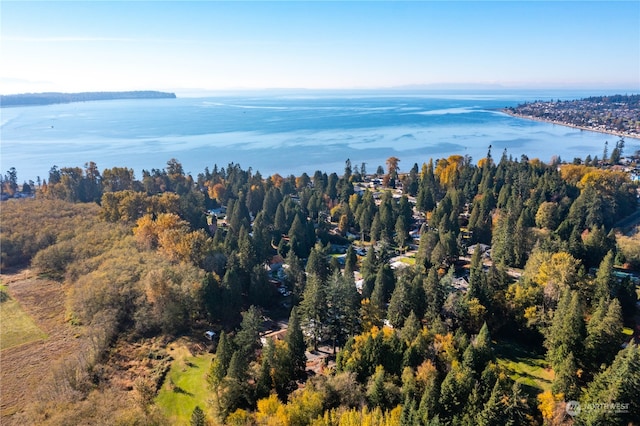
[
  {"x": 576, "y": 246},
  {"x": 434, "y": 294},
  {"x": 320, "y": 181},
  {"x": 480, "y": 219},
  {"x": 246, "y": 252},
  {"x": 425, "y": 201},
  {"x": 401, "y": 235},
  {"x": 351, "y": 261},
  {"x": 317, "y": 264},
  {"x": 264, "y": 381},
  {"x": 409, "y": 414},
  {"x": 399, "y": 305},
  {"x": 627, "y": 297},
  {"x": 260, "y": 292},
  {"x": 295, "y": 277},
  {"x": 297, "y": 237},
  {"x": 604, "y": 333},
  {"x": 417, "y": 299},
  {"x": 493, "y": 413},
  {"x": 247, "y": 339},
  {"x": 376, "y": 228},
  {"x": 280, "y": 225},
  {"x": 238, "y": 367},
  {"x": 471, "y": 409},
  {"x": 428, "y": 242},
  {"x": 504, "y": 247},
  {"x": 232, "y": 284},
  {"x": 605, "y": 280},
  {"x": 566, "y": 333},
  {"x": 219, "y": 237},
  {"x": 376, "y": 392},
  {"x": 238, "y": 215},
  {"x": 295, "y": 342},
  {"x": 517, "y": 411},
  {"x": 368, "y": 270},
  {"x": 197, "y": 417},
  {"x": 386, "y": 216},
  {"x": 618, "y": 384},
  {"x": 343, "y": 302},
  {"x": 565, "y": 380},
  {"x": 596, "y": 246},
  {"x": 220, "y": 363},
  {"x": 522, "y": 245},
  {"x": 454, "y": 391},
  {"x": 483, "y": 343},
  {"x": 478, "y": 286},
  {"x": 262, "y": 237},
  {"x": 405, "y": 209},
  {"x": 365, "y": 213},
  {"x": 212, "y": 294},
  {"x": 411, "y": 328},
  {"x": 384, "y": 285},
  {"x": 313, "y": 309}
]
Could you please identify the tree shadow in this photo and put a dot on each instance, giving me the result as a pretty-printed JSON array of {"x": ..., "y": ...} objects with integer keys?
[{"x": 178, "y": 389}]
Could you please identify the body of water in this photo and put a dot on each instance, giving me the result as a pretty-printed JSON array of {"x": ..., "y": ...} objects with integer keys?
[{"x": 285, "y": 134}]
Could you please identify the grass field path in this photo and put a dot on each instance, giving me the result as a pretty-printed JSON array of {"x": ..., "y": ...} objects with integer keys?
[
  {"x": 524, "y": 366},
  {"x": 16, "y": 326},
  {"x": 185, "y": 385},
  {"x": 27, "y": 364}
]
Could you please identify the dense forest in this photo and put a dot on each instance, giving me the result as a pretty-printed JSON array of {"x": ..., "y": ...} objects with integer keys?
[{"x": 415, "y": 286}]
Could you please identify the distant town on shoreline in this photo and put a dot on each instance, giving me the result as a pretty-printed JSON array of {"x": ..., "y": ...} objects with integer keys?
[{"x": 617, "y": 114}]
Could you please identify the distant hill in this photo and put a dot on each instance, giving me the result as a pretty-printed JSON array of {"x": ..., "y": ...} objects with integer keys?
[{"x": 32, "y": 99}]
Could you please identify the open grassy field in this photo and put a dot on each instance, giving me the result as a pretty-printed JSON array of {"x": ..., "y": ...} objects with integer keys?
[
  {"x": 36, "y": 308},
  {"x": 524, "y": 366},
  {"x": 16, "y": 326},
  {"x": 411, "y": 260},
  {"x": 185, "y": 385}
]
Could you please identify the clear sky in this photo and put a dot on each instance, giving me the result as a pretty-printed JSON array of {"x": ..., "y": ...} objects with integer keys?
[{"x": 214, "y": 45}]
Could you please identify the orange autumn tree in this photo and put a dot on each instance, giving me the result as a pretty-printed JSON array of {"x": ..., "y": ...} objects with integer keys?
[
  {"x": 448, "y": 170},
  {"x": 216, "y": 191}
]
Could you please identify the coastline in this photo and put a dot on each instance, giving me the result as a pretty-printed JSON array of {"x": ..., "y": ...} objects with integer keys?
[
  {"x": 54, "y": 98},
  {"x": 574, "y": 126}
]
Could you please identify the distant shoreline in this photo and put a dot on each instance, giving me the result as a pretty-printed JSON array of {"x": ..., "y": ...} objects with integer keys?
[
  {"x": 574, "y": 126},
  {"x": 52, "y": 98}
]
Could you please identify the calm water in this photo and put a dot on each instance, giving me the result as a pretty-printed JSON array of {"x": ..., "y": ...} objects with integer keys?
[{"x": 284, "y": 134}]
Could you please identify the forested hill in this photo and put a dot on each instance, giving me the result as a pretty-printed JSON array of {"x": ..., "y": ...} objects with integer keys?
[{"x": 29, "y": 99}]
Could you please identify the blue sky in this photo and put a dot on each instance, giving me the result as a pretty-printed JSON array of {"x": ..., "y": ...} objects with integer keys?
[{"x": 195, "y": 46}]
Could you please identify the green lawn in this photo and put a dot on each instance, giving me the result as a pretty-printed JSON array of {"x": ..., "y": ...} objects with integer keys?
[
  {"x": 524, "y": 366},
  {"x": 16, "y": 326},
  {"x": 411, "y": 260},
  {"x": 185, "y": 386}
]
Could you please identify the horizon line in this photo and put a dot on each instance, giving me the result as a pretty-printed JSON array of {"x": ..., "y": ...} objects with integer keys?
[{"x": 436, "y": 87}]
